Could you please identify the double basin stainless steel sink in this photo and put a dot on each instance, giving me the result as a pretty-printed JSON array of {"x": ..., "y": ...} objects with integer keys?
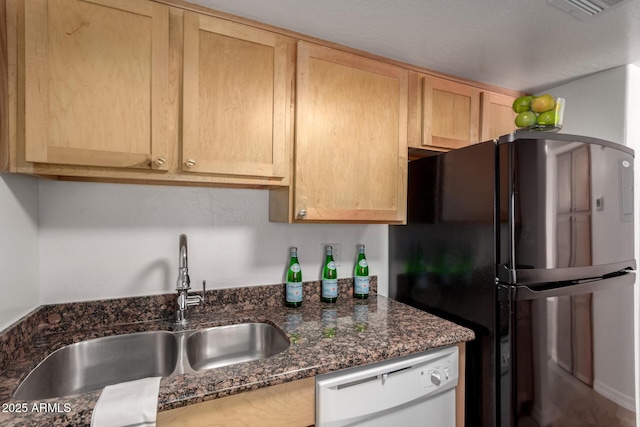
[{"x": 93, "y": 364}]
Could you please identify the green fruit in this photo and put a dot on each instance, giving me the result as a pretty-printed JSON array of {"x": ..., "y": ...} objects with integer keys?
[
  {"x": 547, "y": 118},
  {"x": 542, "y": 103},
  {"x": 525, "y": 119},
  {"x": 522, "y": 104}
]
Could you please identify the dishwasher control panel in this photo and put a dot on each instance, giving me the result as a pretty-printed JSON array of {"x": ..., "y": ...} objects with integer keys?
[
  {"x": 435, "y": 375},
  {"x": 403, "y": 391}
]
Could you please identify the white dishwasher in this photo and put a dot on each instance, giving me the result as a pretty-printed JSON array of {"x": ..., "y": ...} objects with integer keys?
[{"x": 414, "y": 390}]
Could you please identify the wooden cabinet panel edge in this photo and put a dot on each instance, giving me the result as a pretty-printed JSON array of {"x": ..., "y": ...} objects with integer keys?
[
  {"x": 8, "y": 85},
  {"x": 461, "y": 388},
  {"x": 288, "y": 404},
  {"x": 4, "y": 90}
]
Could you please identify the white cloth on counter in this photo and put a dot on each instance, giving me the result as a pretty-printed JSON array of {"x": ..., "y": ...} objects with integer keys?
[{"x": 133, "y": 403}]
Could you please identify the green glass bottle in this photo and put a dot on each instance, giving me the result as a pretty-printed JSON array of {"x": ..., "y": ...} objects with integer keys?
[
  {"x": 361, "y": 276},
  {"x": 293, "y": 292},
  {"x": 329, "y": 278}
]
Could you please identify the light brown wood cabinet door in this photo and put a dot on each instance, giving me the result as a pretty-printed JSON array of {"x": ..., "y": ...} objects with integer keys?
[
  {"x": 443, "y": 114},
  {"x": 96, "y": 83},
  {"x": 351, "y": 138},
  {"x": 496, "y": 115},
  {"x": 236, "y": 81}
]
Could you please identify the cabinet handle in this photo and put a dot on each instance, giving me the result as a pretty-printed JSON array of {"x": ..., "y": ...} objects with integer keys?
[
  {"x": 302, "y": 213},
  {"x": 190, "y": 163},
  {"x": 159, "y": 161}
]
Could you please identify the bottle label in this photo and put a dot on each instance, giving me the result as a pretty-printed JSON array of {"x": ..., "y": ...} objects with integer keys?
[
  {"x": 363, "y": 263},
  {"x": 330, "y": 288},
  {"x": 295, "y": 268},
  {"x": 294, "y": 291},
  {"x": 361, "y": 285},
  {"x": 331, "y": 265}
]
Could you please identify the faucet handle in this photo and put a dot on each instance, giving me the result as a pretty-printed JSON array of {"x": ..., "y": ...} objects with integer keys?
[{"x": 191, "y": 300}]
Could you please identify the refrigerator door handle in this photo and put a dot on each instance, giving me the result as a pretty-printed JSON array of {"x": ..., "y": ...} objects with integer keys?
[
  {"x": 523, "y": 292},
  {"x": 547, "y": 275}
]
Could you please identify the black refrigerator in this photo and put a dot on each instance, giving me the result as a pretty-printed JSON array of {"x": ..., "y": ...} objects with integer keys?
[{"x": 528, "y": 240}]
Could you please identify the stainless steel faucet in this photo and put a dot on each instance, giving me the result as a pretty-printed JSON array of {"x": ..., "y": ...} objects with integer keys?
[{"x": 183, "y": 285}]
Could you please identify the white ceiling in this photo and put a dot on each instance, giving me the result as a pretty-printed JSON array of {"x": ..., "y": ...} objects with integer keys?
[{"x": 526, "y": 45}]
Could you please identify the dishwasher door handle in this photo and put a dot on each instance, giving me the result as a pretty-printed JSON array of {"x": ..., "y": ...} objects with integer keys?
[{"x": 384, "y": 378}]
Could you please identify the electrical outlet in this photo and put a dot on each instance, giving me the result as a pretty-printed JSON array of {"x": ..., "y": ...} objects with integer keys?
[{"x": 337, "y": 252}]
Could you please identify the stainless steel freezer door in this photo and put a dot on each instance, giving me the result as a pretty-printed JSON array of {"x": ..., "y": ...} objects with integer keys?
[{"x": 565, "y": 208}]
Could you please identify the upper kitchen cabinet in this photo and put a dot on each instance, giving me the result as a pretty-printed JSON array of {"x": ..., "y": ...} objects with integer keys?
[
  {"x": 96, "y": 83},
  {"x": 149, "y": 91},
  {"x": 496, "y": 115},
  {"x": 443, "y": 114},
  {"x": 350, "y": 160},
  {"x": 236, "y": 98}
]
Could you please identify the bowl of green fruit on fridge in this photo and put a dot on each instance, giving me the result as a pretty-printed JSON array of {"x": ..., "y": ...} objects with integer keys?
[{"x": 539, "y": 113}]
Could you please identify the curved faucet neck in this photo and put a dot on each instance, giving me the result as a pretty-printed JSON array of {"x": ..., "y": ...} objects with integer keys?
[
  {"x": 183, "y": 282},
  {"x": 183, "y": 260}
]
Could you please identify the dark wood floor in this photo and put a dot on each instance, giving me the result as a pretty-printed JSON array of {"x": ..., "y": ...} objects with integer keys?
[{"x": 574, "y": 404}]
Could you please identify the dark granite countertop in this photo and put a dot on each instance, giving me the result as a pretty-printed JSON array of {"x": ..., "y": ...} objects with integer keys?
[{"x": 366, "y": 331}]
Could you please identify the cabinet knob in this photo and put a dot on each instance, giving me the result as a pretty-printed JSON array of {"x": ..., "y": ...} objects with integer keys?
[
  {"x": 302, "y": 213},
  {"x": 190, "y": 163},
  {"x": 159, "y": 161}
]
